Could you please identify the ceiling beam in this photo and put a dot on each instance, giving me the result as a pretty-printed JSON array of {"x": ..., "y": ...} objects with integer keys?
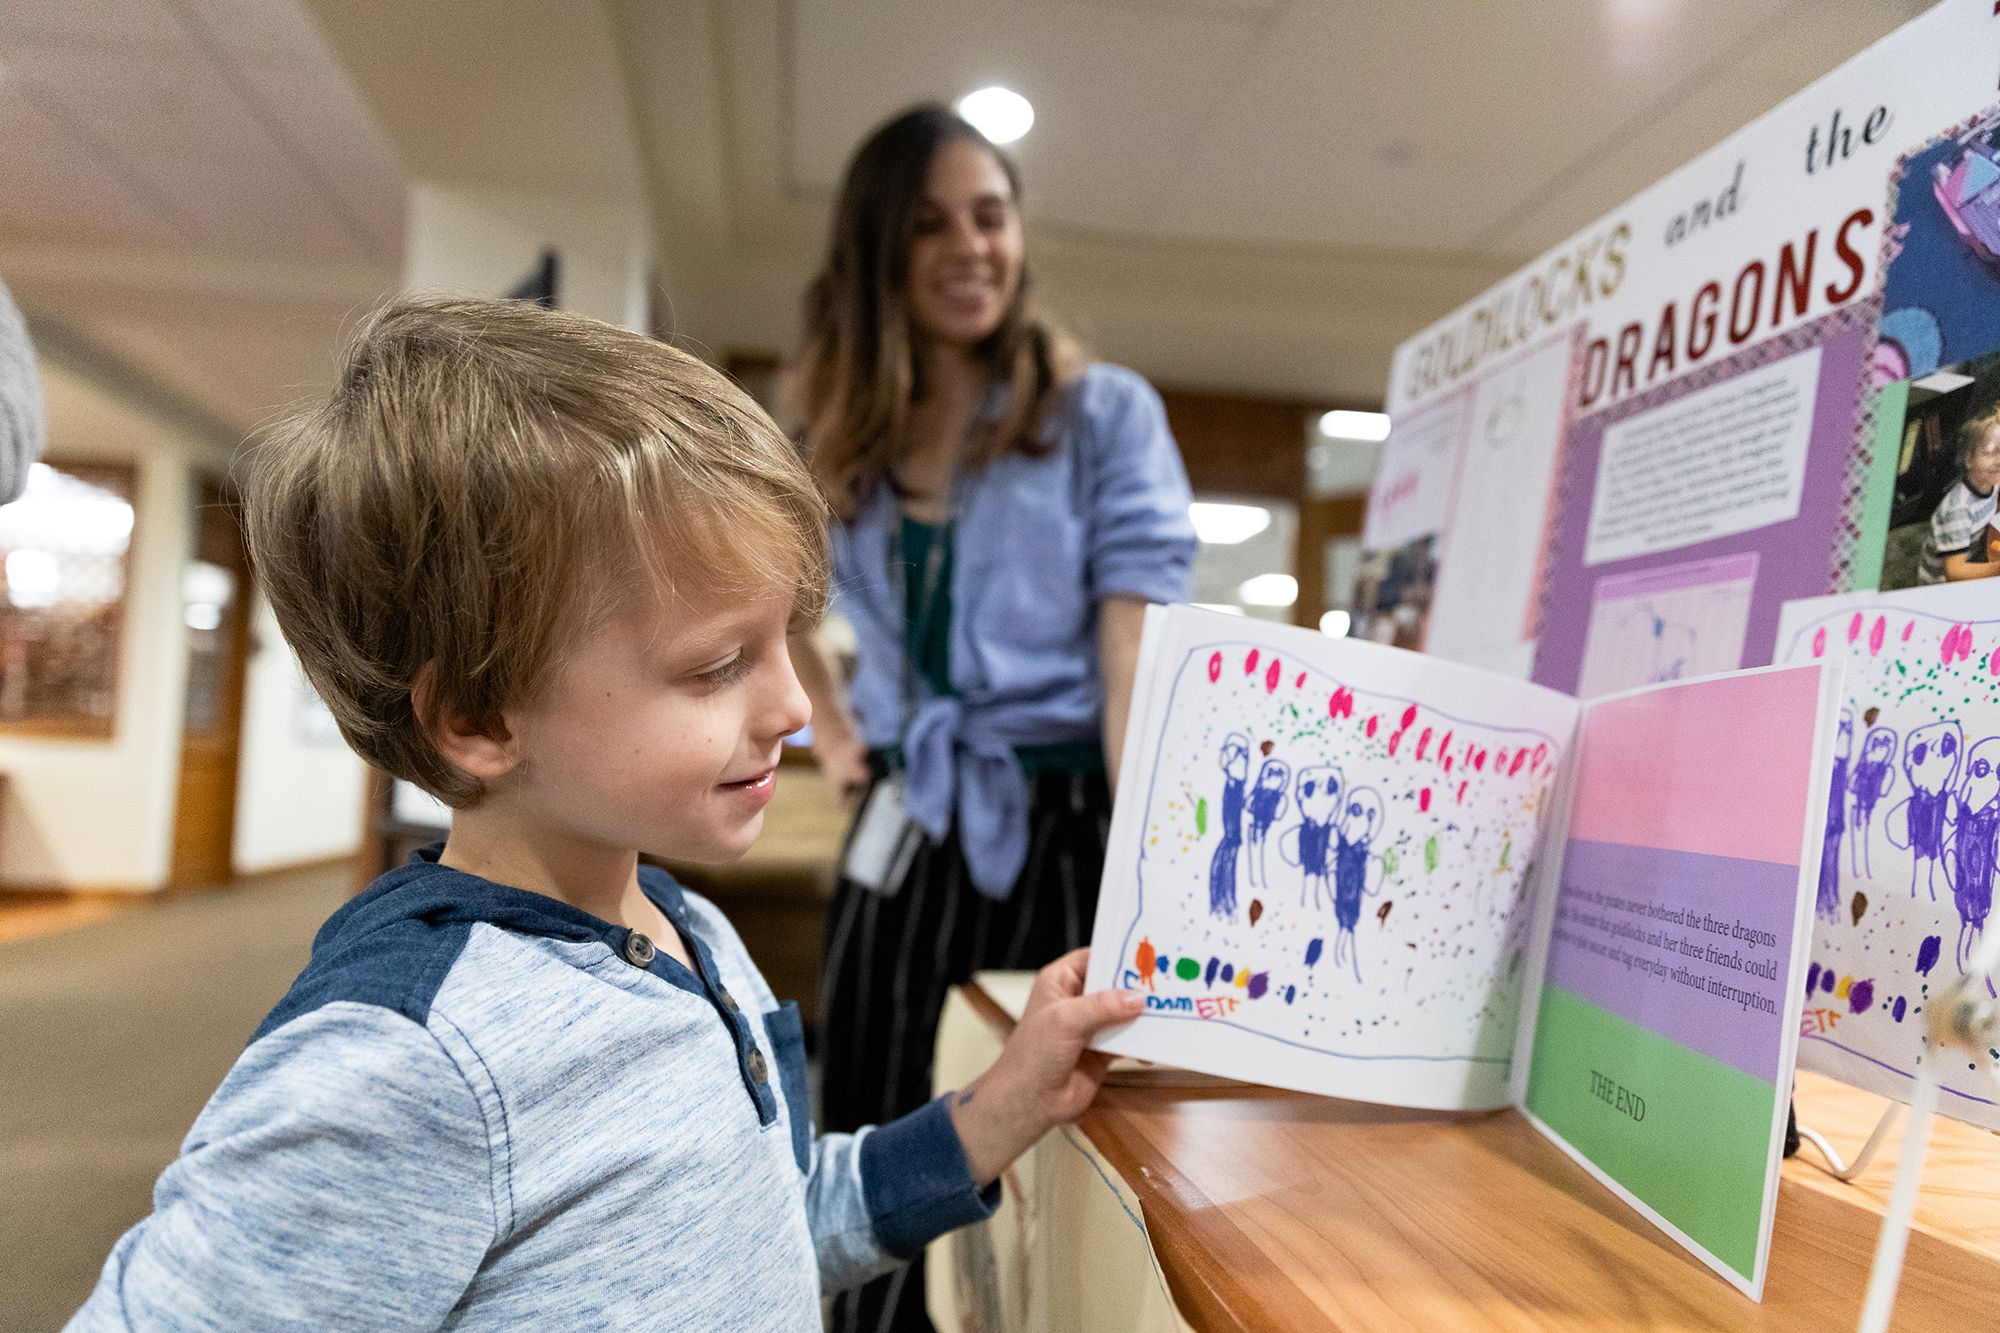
[{"x": 60, "y": 345}]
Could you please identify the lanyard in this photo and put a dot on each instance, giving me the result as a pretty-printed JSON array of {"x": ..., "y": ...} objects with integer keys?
[{"x": 919, "y": 630}]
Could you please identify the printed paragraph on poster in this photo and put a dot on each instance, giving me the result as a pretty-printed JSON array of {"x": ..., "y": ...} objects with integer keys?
[{"x": 1726, "y": 459}]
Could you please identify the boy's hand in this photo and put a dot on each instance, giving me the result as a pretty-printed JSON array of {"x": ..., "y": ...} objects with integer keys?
[{"x": 1045, "y": 1076}]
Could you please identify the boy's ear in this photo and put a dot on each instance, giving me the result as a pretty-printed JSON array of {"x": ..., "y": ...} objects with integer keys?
[{"x": 485, "y": 750}]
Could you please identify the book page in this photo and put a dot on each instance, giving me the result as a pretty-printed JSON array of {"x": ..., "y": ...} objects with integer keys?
[
  {"x": 1911, "y": 828},
  {"x": 1667, "y": 1017},
  {"x": 1319, "y": 861}
]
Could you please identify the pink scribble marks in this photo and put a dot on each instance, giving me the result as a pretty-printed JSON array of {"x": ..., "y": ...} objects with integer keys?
[
  {"x": 1371, "y": 727},
  {"x": 1214, "y": 667},
  {"x": 1271, "y": 676},
  {"x": 1876, "y": 635},
  {"x": 1993, "y": 661},
  {"x": 1541, "y": 757},
  {"x": 1909, "y": 628},
  {"x": 1479, "y": 761},
  {"x": 1300, "y": 683},
  {"x": 1957, "y": 645},
  {"x": 1341, "y": 704},
  {"x": 1424, "y": 800},
  {"x": 1461, "y": 792},
  {"x": 1396, "y": 739},
  {"x": 1520, "y": 758},
  {"x": 1250, "y": 662},
  {"x": 1819, "y": 643},
  {"x": 1854, "y": 627}
]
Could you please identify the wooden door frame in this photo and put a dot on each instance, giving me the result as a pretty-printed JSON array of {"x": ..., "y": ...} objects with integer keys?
[{"x": 213, "y": 489}]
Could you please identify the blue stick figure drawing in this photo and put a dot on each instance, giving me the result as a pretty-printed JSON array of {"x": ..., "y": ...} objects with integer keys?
[
  {"x": 1976, "y": 844},
  {"x": 1930, "y": 761},
  {"x": 1836, "y": 819},
  {"x": 1235, "y": 759},
  {"x": 1319, "y": 789},
  {"x": 1874, "y": 775},
  {"x": 1267, "y": 803},
  {"x": 1353, "y": 860}
]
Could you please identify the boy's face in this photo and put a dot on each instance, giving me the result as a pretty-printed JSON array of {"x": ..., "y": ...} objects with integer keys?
[
  {"x": 660, "y": 731},
  {"x": 1982, "y": 462}
]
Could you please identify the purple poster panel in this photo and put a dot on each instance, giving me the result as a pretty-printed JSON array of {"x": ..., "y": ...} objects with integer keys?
[{"x": 1738, "y": 470}]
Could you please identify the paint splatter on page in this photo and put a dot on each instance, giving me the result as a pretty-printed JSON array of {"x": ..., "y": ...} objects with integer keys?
[
  {"x": 1281, "y": 794},
  {"x": 1911, "y": 840}
]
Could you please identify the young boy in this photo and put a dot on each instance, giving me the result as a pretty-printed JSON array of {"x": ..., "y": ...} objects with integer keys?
[
  {"x": 1957, "y": 546},
  {"x": 545, "y": 568}
]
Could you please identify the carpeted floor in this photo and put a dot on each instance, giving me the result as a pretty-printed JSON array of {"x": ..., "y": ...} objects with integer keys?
[{"x": 112, "y": 1036}]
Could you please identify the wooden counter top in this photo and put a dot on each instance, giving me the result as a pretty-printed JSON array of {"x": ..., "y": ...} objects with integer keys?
[{"x": 1276, "y": 1210}]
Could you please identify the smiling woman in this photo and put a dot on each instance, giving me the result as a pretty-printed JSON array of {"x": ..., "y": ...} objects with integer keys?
[{"x": 1005, "y": 512}]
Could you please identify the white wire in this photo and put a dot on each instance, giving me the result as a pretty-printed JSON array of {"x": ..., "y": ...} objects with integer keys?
[
  {"x": 1882, "y": 1278},
  {"x": 1840, "y": 1170}
]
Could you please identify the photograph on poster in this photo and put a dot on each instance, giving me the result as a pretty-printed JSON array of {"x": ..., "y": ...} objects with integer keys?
[
  {"x": 1667, "y": 624},
  {"x": 1749, "y": 455},
  {"x": 1941, "y": 508},
  {"x": 1941, "y": 289},
  {"x": 1408, "y": 510},
  {"x": 1912, "y": 828},
  {"x": 1392, "y": 594}
]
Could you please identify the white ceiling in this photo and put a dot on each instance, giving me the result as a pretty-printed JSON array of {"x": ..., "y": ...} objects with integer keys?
[
  {"x": 194, "y": 191},
  {"x": 1252, "y": 194}
]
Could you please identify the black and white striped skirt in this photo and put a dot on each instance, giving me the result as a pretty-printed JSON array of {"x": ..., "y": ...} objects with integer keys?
[{"x": 890, "y": 960}]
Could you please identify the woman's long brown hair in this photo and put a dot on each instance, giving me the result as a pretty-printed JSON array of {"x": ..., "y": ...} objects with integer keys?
[{"x": 857, "y": 373}]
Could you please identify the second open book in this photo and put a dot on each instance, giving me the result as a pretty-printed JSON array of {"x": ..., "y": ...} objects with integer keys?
[{"x": 1356, "y": 871}]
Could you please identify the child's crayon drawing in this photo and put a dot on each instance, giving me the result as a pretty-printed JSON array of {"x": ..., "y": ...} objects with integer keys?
[
  {"x": 1286, "y": 809},
  {"x": 1918, "y": 803}
]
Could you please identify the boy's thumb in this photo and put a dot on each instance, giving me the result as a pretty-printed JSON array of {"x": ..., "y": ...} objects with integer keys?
[{"x": 1090, "y": 1014}]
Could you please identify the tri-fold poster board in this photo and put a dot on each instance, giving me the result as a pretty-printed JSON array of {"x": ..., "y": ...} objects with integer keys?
[
  {"x": 1751, "y": 383},
  {"x": 1747, "y": 813}
]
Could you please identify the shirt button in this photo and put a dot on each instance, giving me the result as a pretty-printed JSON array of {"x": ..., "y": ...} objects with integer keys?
[
  {"x": 759, "y": 1070},
  {"x": 639, "y": 950},
  {"x": 728, "y": 1000}
]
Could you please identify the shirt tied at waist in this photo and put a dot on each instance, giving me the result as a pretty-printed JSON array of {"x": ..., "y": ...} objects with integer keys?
[{"x": 960, "y": 764}]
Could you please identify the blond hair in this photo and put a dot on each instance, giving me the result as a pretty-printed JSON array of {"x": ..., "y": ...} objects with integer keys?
[
  {"x": 1977, "y": 431},
  {"x": 486, "y": 480}
]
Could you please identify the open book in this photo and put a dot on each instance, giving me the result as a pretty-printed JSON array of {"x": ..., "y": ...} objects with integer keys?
[{"x": 1356, "y": 871}]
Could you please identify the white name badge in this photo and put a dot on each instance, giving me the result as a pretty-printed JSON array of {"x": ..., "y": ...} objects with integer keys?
[{"x": 885, "y": 840}]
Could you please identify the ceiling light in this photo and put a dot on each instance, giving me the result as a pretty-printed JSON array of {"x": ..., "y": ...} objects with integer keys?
[
  {"x": 1227, "y": 525},
  {"x": 1369, "y": 426},
  {"x": 1269, "y": 590},
  {"x": 1001, "y": 114},
  {"x": 1335, "y": 624},
  {"x": 1220, "y": 608}
]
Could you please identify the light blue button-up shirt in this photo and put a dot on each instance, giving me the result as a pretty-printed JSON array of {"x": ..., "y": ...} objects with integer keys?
[
  {"x": 480, "y": 1108},
  {"x": 1039, "y": 543}
]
